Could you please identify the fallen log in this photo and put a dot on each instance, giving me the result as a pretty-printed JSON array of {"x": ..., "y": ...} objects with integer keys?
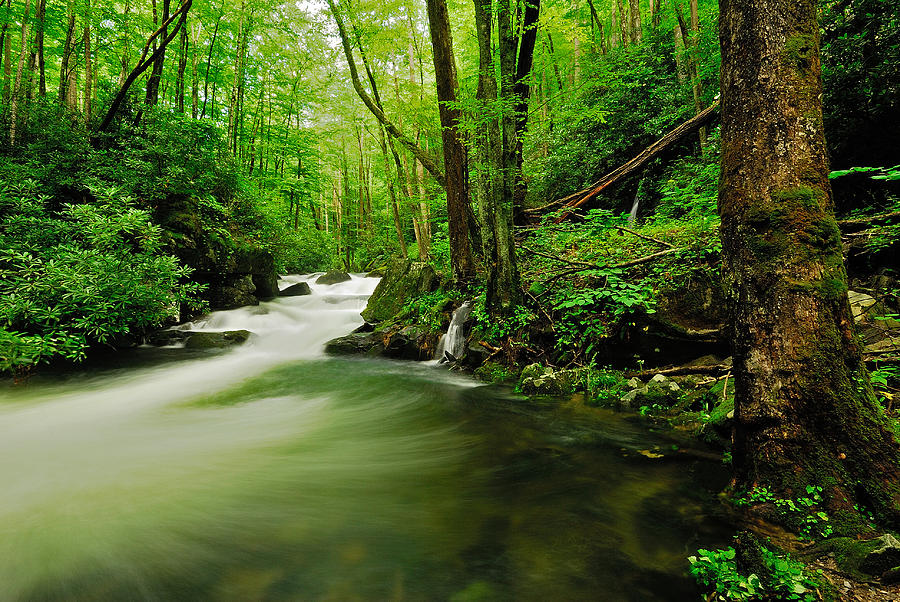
[{"x": 581, "y": 197}]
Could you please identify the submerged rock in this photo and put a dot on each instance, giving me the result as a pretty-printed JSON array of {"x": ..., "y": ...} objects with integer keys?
[
  {"x": 216, "y": 340},
  {"x": 333, "y": 277},
  {"x": 295, "y": 290}
]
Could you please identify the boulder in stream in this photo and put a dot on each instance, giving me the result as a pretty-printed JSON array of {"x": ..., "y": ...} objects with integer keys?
[
  {"x": 216, "y": 340},
  {"x": 295, "y": 290},
  {"x": 333, "y": 277}
]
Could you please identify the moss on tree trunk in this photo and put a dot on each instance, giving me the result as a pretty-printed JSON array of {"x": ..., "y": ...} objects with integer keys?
[{"x": 804, "y": 409}]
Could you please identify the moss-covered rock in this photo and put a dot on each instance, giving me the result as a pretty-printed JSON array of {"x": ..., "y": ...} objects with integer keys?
[
  {"x": 216, "y": 340},
  {"x": 403, "y": 281}
]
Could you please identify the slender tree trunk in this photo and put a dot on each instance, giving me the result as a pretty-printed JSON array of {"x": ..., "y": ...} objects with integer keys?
[
  {"x": 212, "y": 45},
  {"x": 195, "y": 77},
  {"x": 182, "y": 67},
  {"x": 39, "y": 44},
  {"x": 152, "y": 96},
  {"x": 126, "y": 43},
  {"x": 68, "y": 87},
  {"x": 17, "y": 87},
  {"x": 5, "y": 52},
  {"x": 455, "y": 160},
  {"x": 622, "y": 19},
  {"x": 88, "y": 64},
  {"x": 692, "y": 38},
  {"x": 805, "y": 413}
]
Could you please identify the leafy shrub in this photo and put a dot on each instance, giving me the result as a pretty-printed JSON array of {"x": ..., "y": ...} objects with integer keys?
[
  {"x": 784, "y": 579},
  {"x": 88, "y": 274}
]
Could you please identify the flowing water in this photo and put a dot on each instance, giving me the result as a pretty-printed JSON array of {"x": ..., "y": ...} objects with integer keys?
[{"x": 270, "y": 472}]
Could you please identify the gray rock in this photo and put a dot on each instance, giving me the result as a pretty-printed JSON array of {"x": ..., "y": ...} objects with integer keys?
[
  {"x": 216, "y": 340},
  {"x": 659, "y": 378},
  {"x": 295, "y": 290},
  {"x": 333, "y": 277},
  {"x": 635, "y": 383}
]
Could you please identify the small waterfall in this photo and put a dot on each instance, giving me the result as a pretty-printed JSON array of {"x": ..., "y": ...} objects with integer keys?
[
  {"x": 450, "y": 347},
  {"x": 634, "y": 209}
]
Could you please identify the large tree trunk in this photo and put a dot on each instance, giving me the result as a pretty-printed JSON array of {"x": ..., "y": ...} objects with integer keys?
[
  {"x": 455, "y": 159},
  {"x": 804, "y": 409},
  {"x": 497, "y": 157}
]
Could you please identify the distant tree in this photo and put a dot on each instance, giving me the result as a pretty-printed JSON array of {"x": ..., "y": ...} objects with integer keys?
[{"x": 805, "y": 413}]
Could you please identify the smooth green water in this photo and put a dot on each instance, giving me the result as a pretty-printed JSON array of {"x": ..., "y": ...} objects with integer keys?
[{"x": 245, "y": 477}]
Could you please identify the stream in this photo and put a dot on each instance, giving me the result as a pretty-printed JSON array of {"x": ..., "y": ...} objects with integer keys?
[{"x": 272, "y": 472}]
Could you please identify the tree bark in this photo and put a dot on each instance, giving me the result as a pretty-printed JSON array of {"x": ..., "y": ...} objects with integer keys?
[
  {"x": 455, "y": 158},
  {"x": 805, "y": 413}
]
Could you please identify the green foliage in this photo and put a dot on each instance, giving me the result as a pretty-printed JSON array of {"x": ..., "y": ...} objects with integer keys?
[
  {"x": 87, "y": 274},
  {"x": 428, "y": 309},
  {"x": 804, "y": 513},
  {"x": 876, "y": 173},
  {"x": 783, "y": 579}
]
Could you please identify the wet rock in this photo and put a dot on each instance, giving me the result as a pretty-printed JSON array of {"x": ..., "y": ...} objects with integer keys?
[
  {"x": 403, "y": 281},
  {"x": 365, "y": 327},
  {"x": 333, "y": 277},
  {"x": 355, "y": 344},
  {"x": 295, "y": 290},
  {"x": 216, "y": 340}
]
